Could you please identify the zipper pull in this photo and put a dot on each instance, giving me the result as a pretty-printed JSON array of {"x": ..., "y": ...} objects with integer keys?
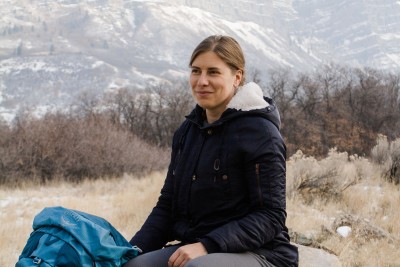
[{"x": 216, "y": 164}]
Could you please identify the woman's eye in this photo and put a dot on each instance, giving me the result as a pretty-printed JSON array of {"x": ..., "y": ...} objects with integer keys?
[
  {"x": 195, "y": 71},
  {"x": 213, "y": 72}
]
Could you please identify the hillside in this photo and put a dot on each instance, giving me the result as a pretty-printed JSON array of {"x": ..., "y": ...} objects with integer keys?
[{"x": 53, "y": 52}]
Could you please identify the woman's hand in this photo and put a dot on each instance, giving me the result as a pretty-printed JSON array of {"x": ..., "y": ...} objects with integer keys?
[{"x": 186, "y": 253}]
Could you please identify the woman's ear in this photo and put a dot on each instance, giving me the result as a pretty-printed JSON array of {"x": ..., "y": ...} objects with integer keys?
[{"x": 238, "y": 78}]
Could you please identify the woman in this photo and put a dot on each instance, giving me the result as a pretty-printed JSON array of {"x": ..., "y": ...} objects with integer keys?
[{"x": 224, "y": 194}]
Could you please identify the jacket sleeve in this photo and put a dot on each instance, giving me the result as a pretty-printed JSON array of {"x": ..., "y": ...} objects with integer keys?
[
  {"x": 265, "y": 175},
  {"x": 156, "y": 231}
]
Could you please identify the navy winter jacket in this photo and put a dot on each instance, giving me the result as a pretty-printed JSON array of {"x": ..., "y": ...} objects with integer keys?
[{"x": 225, "y": 185}]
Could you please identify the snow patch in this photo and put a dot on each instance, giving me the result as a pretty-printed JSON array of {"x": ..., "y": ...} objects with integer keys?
[
  {"x": 5, "y": 202},
  {"x": 389, "y": 36},
  {"x": 97, "y": 64},
  {"x": 117, "y": 83},
  {"x": 343, "y": 231}
]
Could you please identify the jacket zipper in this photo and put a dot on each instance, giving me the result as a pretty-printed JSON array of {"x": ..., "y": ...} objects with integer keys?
[{"x": 259, "y": 183}]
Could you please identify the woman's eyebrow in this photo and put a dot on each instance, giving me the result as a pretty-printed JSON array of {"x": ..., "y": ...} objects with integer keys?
[{"x": 210, "y": 68}]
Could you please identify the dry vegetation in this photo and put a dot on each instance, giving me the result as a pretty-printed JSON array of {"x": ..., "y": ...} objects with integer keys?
[
  {"x": 119, "y": 131},
  {"x": 62, "y": 159},
  {"x": 345, "y": 191},
  {"x": 359, "y": 197},
  {"x": 124, "y": 202}
]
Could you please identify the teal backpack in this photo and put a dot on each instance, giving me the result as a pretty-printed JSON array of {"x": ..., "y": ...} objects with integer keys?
[{"x": 70, "y": 238}]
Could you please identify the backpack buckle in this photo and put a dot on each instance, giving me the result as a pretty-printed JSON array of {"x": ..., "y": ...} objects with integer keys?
[{"x": 37, "y": 260}]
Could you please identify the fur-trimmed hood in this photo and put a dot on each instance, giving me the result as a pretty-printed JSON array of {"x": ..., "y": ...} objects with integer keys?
[
  {"x": 248, "y": 101},
  {"x": 248, "y": 97}
]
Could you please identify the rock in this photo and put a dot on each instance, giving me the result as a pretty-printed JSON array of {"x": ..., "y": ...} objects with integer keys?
[
  {"x": 312, "y": 253},
  {"x": 362, "y": 230},
  {"x": 313, "y": 257}
]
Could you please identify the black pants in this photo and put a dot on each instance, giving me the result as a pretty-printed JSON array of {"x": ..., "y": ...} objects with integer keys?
[{"x": 159, "y": 258}]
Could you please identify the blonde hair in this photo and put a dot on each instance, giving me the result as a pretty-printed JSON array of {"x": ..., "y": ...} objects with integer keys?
[{"x": 227, "y": 48}]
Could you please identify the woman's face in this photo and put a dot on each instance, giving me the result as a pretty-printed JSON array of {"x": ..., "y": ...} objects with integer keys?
[{"x": 213, "y": 82}]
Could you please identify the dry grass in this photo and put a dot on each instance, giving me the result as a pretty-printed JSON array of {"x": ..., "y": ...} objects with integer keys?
[
  {"x": 366, "y": 197},
  {"x": 126, "y": 202}
]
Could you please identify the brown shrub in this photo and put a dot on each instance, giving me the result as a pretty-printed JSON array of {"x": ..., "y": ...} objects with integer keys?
[
  {"x": 59, "y": 146},
  {"x": 324, "y": 179},
  {"x": 387, "y": 155}
]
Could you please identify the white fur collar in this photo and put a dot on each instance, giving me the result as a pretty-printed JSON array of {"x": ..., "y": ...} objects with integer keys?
[{"x": 248, "y": 97}]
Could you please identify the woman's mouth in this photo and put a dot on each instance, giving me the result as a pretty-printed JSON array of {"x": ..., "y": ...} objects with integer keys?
[{"x": 203, "y": 93}]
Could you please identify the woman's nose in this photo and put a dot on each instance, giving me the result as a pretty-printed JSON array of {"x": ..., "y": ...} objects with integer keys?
[{"x": 203, "y": 80}]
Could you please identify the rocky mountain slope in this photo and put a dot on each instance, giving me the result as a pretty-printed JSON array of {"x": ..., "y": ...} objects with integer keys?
[{"x": 54, "y": 51}]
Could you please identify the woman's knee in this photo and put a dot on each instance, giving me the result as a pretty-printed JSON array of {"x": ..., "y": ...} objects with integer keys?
[
  {"x": 226, "y": 260},
  {"x": 139, "y": 261},
  {"x": 202, "y": 261},
  {"x": 155, "y": 258},
  {"x": 194, "y": 263}
]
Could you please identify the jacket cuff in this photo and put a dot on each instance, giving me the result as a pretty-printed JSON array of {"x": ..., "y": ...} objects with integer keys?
[{"x": 210, "y": 245}]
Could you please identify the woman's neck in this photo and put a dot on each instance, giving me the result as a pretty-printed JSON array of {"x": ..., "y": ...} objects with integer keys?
[{"x": 212, "y": 115}]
